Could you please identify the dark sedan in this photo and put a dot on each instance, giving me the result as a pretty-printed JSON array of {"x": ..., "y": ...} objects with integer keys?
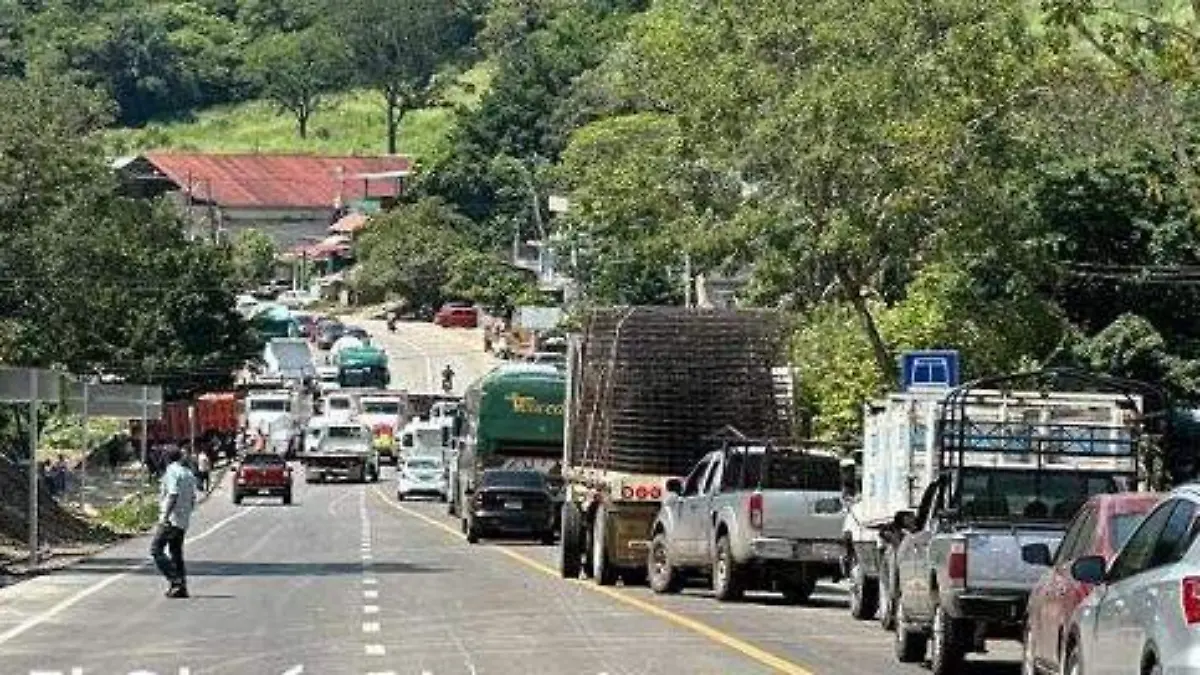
[
  {"x": 510, "y": 503},
  {"x": 328, "y": 333}
]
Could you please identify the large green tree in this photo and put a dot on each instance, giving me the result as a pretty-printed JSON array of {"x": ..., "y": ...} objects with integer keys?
[{"x": 296, "y": 70}]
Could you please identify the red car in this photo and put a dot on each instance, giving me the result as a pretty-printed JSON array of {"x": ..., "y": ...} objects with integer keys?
[
  {"x": 456, "y": 316},
  {"x": 1100, "y": 528},
  {"x": 264, "y": 474}
]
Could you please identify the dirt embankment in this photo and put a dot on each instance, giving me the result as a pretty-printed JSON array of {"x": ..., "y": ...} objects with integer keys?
[{"x": 58, "y": 526}]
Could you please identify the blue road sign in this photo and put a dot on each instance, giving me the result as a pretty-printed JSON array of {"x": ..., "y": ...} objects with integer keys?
[{"x": 934, "y": 369}]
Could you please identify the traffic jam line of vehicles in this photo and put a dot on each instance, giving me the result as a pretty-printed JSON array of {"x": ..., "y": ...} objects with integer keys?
[{"x": 662, "y": 452}]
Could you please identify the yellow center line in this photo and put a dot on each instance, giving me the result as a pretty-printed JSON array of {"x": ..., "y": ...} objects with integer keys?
[{"x": 762, "y": 656}]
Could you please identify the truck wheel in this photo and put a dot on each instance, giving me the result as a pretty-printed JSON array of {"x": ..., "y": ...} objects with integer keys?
[
  {"x": 947, "y": 644},
  {"x": 451, "y": 507},
  {"x": 570, "y": 548},
  {"x": 237, "y": 497},
  {"x": 910, "y": 644},
  {"x": 887, "y": 592},
  {"x": 799, "y": 589},
  {"x": 287, "y": 497},
  {"x": 604, "y": 573},
  {"x": 726, "y": 577},
  {"x": 663, "y": 576},
  {"x": 472, "y": 531},
  {"x": 864, "y": 593}
]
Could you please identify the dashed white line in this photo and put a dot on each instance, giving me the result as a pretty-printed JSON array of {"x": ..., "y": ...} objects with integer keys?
[
  {"x": 370, "y": 595},
  {"x": 370, "y": 609},
  {"x": 367, "y": 556},
  {"x": 370, "y": 581},
  {"x": 371, "y": 627},
  {"x": 375, "y": 650}
]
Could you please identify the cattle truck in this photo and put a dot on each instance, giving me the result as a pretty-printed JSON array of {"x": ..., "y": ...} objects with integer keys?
[
  {"x": 511, "y": 418},
  {"x": 649, "y": 389}
]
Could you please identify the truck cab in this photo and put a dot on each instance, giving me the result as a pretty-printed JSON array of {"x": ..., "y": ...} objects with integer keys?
[
  {"x": 384, "y": 415},
  {"x": 273, "y": 415},
  {"x": 344, "y": 450}
]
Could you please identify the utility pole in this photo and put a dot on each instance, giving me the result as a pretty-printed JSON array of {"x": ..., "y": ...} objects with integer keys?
[
  {"x": 687, "y": 279},
  {"x": 145, "y": 414},
  {"x": 87, "y": 445},
  {"x": 34, "y": 476}
]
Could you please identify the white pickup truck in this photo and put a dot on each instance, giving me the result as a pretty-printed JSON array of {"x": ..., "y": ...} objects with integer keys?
[{"x": 754, "y": 516}]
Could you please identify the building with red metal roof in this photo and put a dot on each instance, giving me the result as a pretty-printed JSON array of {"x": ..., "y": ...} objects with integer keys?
[{"x": 293, "y": 198}]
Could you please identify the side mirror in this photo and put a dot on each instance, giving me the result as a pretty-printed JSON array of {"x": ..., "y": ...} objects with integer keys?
[
  {"x": 1090, "y": 569},
  {"x": 674, "y": 486},
  {"x": 906, "y": 521},
  {"x": 1036, "y": 554}
]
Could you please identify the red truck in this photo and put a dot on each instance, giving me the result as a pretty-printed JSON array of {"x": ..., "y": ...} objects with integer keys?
[
  {"x": 262, "y": 474},
  {"x": 216, "y": 418}
]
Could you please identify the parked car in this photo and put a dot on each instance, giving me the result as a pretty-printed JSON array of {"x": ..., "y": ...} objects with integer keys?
[
  {"x": 262, "y": 474},
  {"x": 510, "y": 503},
  {"x": 1143, "y": 614},
  {"x": 308, "y": 323},
  {"x": 1100, "y": 528},
  {"x": 328, "y": 333},
  {"x": 358, "y": 332},
  {"x": 455, "y": 315},
  {"x": 421, "y": 475}
]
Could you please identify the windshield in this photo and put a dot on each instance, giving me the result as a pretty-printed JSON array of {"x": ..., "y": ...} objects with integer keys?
[
  {"x": 381, "y": 407},
  {"x": 1027, "y": 495},
  {"x": 787, "y": 471},
  {"x": 339, "y": 404},
  {"x": 346, "y": 432},
  {"x": 264, "y": 460},
  {"x": 529, "y": 480},
  {"x": 269, "y": 405},
  {"x": 423, "y": 464},
  {"x": 1122, "y": 526}
]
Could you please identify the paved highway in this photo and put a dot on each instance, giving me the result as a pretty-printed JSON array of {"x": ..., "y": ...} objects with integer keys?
[
  {"x": 347, "y": 580},
  {"x": 418, "y": 352}
]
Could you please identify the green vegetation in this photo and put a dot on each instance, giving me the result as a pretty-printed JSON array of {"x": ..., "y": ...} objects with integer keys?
[
  {"x": 350, "y": 123},
  {"x": 134, "y": 514}
]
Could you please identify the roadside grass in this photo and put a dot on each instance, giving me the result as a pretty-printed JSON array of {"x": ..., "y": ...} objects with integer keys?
[
  {"x": 350, "y": 123},
  {"x": 134, "y": 514}
]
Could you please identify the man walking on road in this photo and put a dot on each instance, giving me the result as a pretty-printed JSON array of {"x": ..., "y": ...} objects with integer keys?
[{"x": 177, "y": 498}]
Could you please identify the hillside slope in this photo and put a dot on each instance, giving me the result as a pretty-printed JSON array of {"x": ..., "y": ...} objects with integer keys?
[{"x": 351, "y": 123}]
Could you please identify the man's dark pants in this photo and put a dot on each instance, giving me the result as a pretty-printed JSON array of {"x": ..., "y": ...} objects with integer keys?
[{"x": 170, "y": 538}]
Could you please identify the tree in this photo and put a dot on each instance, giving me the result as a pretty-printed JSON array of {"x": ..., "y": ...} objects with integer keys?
[
  {"x": 397, "y": 47},
  {"x": 253, "y": 257},
  {"x": 295, "y": 70}
]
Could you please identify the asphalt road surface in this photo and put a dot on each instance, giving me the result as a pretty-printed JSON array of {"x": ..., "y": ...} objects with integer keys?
[
  {"x": 347, "y": 580},
  {"x": 419, "y": 351}
]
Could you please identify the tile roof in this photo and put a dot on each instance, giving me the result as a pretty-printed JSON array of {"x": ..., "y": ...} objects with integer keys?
[
  {"x": 288, "y": 181},
  {"x": 349, "y": 223}
]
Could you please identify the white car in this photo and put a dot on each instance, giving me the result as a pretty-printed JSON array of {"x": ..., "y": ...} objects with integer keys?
[
  {"x": 296, "y": 299},
  {"x": 1143, "y": 615},
  {"x": 422, "y": 475}
]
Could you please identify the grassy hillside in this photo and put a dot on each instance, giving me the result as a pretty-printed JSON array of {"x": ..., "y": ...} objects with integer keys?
[{"x": 352, "y": 122}]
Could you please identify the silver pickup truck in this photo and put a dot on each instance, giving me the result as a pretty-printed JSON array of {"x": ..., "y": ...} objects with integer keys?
[
  {"x": 753, "y": 517},
  {"x": 960, "y": 573}
]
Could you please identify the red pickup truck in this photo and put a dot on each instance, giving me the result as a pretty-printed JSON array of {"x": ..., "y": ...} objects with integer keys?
[{"x": 262, "y": 474}]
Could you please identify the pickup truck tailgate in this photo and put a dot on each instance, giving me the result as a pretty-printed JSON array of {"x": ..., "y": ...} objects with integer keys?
[
  {"x": 994, "y": 556},
  {"x": 802, "y": 514}
]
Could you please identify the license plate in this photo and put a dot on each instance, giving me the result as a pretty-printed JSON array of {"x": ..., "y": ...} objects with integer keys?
[{"x": 513, "y": 505}]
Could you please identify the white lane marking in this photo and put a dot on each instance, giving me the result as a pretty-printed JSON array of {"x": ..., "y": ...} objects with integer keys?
[
  {"x": 370, "y": 595},
  {"x": 375, "y": 650},
  {"x": 371, "y": 627},
  {"x": 368, "y": 556},
  {"x": 294, "y": 670},
  {"x": 370, "y": 581},
  {"x": 370, "y": 609},
  {"x": 63, "y": 605},
  {"x": 392, "y": 672}
]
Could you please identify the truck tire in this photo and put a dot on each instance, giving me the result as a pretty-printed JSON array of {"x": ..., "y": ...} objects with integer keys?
[
  {"x": 471, "y": 530},
  {"x": 237, "y": 497},
  {"x": 910, "y": 644},
  {"x": 726, "y": 577},
  {"x": 798, "y": 589},
  {"x": 603, "y": 573},
  {"x": 946, "y": 644},
  {"x": 287, "y": 497},
  {"x": 887, "y": 590},
  {"x": 864, "y": 593},
  {"x": 664, "y": 578},
  {"x": 570, "y": 546}
]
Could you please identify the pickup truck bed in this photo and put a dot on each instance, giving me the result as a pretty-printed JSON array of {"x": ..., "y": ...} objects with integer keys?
[
  {"x": 262, "y": 475},
  {"x": 320, "y": 466}
]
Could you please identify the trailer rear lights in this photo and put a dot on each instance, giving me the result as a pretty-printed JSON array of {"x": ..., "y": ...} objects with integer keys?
[
  {"x": 956, "y": 564},
  {"x": 1190, "y": 596},
  {"x": 641, "y": 492}
]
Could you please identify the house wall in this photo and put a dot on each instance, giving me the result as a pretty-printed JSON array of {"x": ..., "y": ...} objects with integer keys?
[{"x": 286, "y": 227}]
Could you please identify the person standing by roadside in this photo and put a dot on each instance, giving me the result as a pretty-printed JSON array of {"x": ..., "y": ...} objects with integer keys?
[
  {"x": 203, "y": 470},
  {"x": 177, "y": 498}
]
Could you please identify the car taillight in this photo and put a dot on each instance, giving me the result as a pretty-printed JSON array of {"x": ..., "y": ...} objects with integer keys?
[
  {"x": 756, "y": 510},
  {"x": 1190, "y": 594},
  {"x": 956, "y": 566}
]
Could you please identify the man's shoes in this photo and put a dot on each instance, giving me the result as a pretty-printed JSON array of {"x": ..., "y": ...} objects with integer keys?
[{"x": 177, "y": 591}]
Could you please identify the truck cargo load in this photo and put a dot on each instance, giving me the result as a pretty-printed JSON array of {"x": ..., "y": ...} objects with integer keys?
[
  {"x": 648, "y": 387},
  {"x": 364, "y": 366}
]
